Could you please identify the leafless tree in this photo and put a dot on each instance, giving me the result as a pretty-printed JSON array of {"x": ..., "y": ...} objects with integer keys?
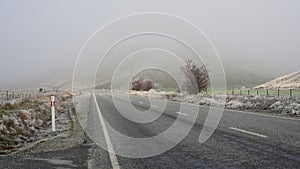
[{"x": 197, "y": 77}]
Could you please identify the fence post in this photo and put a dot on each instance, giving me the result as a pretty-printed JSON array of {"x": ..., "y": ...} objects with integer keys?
[
  {"x": 291, "y": 93},
  {"x": 13, "y": 94},
  {"x": 53, "y": 112},
  {"x": 256, "y": 91},
  {"x": 278, "y": 92},
  {"x": 267, "y": 92},
  {"x": 248, "y": 92},
  {"x": 7, "y": 95}
]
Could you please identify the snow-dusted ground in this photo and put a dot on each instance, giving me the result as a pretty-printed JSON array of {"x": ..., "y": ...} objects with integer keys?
[
  {"x": 25, "y": 122},
  {"x": 290, "y": 81},
  {"x": 281, "y": 105},
  {"x": 278, "y": 105}
]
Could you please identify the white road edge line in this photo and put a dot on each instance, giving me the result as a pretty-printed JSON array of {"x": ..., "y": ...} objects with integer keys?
[
  {"x": 111, "y": 151},
  {"x": 248, "y": 132},
  {"x": 182, "y": 114}
]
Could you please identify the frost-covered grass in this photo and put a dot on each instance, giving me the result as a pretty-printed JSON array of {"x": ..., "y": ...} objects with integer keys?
[
  {"x": 260, "y": 103},
  {"x": 279, "y": 105},
  {"x": 10, "y": 106},
  {"x": 25, "y": 121}
]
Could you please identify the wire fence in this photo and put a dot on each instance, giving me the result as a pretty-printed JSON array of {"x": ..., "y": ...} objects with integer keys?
[
  {"x": 267, "y": 92},
  {"x": 24, "y": 94},
  {"x": 293, "y": 93},
  {"x": 27, "y": 94}
]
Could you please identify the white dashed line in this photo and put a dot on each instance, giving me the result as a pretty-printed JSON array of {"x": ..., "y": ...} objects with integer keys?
[
  {"x": 111, "y": 151},
  {"x": 155, "y": 107},
  {"x": 182, "y": 114},
  {"x": 141, "y": 102},
  {"x": 248, "y": 132}
]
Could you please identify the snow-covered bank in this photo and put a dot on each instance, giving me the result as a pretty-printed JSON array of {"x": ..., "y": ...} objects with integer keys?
[
  {"x": 277, "y": 105},
  {"x": 25, "y": 122},
  {"x": 284, "y": 106}
]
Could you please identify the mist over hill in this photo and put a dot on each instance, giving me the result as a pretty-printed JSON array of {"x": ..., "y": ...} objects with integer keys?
[
  {"x": 236, "y": 76},
  {"x": 258, "y": 40}
]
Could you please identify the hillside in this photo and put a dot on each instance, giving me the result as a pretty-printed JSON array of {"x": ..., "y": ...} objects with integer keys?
[
  {"x": 290, "y": 81},
  {"x": 236, "y": 76},
  {"x": 63, "y": 82}
]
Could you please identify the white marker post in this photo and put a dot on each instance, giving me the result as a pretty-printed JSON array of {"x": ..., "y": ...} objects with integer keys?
[{"x": 53, "y": 112}]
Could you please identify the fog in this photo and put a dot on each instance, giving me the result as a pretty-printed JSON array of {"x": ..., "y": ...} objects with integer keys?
[{"x": 40, "y": 40}]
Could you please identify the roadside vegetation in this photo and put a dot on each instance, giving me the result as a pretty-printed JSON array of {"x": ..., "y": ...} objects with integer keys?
[
  {"x": 24, "y": 121},
  {"x": 196, "y": 78}
]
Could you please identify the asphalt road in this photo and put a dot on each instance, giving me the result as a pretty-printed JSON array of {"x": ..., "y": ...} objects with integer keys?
[{"x": 242, "y": 140}]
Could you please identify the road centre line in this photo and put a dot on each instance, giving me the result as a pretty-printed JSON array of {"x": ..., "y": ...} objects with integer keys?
[
  {"x": 182, "y": 114},
  {"x": 248, "y": 132},
  {"x": 237, "y": 111}
]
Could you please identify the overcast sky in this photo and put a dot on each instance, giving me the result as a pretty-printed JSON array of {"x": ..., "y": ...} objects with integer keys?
[{"x": 40, "y": 39}]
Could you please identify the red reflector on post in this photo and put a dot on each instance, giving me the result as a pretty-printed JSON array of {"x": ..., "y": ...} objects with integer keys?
[{"x": 53, "y": 112}]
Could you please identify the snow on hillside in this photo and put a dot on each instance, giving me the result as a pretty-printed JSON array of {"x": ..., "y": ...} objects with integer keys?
[{"x": 290, "y": 81}]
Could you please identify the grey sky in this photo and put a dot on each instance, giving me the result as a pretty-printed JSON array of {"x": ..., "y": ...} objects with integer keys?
[{"x": 41, "y": 39}]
